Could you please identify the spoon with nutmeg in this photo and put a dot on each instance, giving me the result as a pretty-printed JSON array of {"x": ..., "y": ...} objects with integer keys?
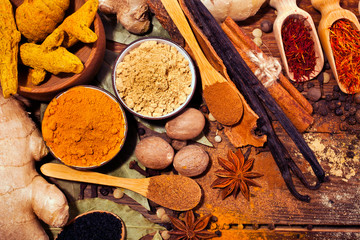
[{"x": 175, "y": 192}]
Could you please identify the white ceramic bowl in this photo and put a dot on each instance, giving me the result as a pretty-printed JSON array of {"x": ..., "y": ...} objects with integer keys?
[{"x": 134, "y": 45}]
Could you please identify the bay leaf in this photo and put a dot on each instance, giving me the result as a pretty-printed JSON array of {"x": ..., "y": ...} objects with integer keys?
[
  {"x": 136, "y": 224},
  {"x": 157, "y": 236},
  {"x": 157, "y": 126},
  {"x": 202, "y": 139}
]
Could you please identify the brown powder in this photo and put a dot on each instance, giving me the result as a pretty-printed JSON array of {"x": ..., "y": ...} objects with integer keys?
[
  {"x": 154, "y": 79},
  {"x": 174, "y": 191},
  {"x": 224, "y": 103}
]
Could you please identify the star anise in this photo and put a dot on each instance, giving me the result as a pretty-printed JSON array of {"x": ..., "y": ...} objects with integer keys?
[
  {"x": 191, "y": 229},
  {"x": 236, "y": 176}
]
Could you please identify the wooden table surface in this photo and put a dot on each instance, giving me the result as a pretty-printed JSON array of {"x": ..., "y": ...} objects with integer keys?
[{"x": 272, "y": 212}]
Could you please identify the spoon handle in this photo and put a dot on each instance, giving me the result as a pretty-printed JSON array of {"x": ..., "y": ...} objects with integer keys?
[
  {"x": 177, "y": 15},
  {"x": 63, "y": 172}
]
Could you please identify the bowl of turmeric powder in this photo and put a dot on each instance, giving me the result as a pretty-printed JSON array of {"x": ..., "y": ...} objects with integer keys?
[
  {"x": 62, "y": 45},
  {"x": 154, "y": 78},
  {"x": 84, "y": 127}
]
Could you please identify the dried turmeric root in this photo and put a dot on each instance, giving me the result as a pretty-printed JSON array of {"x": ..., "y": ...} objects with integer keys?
[
  {"x": 54, "y": 58},
  {"x": 77, "y": 25},
  {"x": 36, "y": 19},
  {"x": 9, "y": 48},
  {"x": 54, "y": 61}
]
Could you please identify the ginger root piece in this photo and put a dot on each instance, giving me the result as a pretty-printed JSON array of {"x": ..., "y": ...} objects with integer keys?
[
  {"x": 132, "y": 14},
  {"x": 77, "y": 25},
  {"x": 36, "y": 19},
  {"x": 23, "y": 193},
  {"x": 9, "y": 48}
]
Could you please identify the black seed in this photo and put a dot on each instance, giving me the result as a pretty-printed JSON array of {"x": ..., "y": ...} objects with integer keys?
[
  {"x": 310, "y": 84},
  {"x": 347, "y": 106},
  {"x": 336, "y": 88},
  {"x": 328, "y": 97},
  {"x": 351, "y": 147},
  {"x": 339, "y": 112},
  {"x": 350, "y": 154},
  {"x": 141, "y": 131},
  {"x": 351, "y": 120},
  {"x": 335, "y": 95}
]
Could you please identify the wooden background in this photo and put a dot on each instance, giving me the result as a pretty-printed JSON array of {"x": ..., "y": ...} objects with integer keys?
[{"x": 272, "y": 212}]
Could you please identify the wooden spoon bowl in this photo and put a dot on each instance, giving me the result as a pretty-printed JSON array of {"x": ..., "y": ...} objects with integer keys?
[
  {"x": 90, "y": 54},
  {"x": 330, "y": 13},
  {"x": 287, "y": 8}
]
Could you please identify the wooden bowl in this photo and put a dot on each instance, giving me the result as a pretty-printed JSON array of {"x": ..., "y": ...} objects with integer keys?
[{"x": 91, "y": 55}]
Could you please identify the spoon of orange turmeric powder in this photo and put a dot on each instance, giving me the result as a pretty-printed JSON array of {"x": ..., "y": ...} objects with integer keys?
[{"x": 175, "y": 192}]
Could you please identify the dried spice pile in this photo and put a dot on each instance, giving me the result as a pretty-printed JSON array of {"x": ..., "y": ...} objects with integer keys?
[
  {"x": 299, "y": 48},
  {"x": 345, "y": 43}
]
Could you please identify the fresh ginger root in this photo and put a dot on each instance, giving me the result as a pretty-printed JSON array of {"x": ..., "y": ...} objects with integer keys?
[
  {"x": 23, "y": 193},
  {"x": 9, "y": 48},
  {"x": 132, "y": 14},
  {"x": 36, "y": 19}
]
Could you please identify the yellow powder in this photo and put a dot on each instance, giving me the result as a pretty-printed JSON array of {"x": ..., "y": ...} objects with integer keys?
[{"x": 154, "y": 79}]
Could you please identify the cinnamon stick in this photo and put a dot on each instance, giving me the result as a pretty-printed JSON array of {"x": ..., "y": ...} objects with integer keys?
[{"x": 293, "y": 110}]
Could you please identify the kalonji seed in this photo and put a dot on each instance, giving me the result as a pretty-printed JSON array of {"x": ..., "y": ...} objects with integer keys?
[
  {"x": 336, "y": 88},
  {"x": 328, "y": 97},
  {"x": 310, "y": 84},
  {"x": 350, "y": 154},
  {"x": 335, "y": 95},
  {"x": 351, "y": 147},
  {"x": 339, "y": 112},
  {"x": 351, "y": 120}
]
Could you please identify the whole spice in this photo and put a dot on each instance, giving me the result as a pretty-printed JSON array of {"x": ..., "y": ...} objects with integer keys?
[
  {"x": 256, "y": 95},
  {"x": 344, "y": 40},
  {"x": 104, "y": 225},
  {"x": 9, "y": 48},
  {"x": 84, "y": 127},
  {"x": 153, "y": 79},
  {"x": 236, "y": 176},
  {"x": 299, "y": 48},
  {"x": 191, "y": 228}
]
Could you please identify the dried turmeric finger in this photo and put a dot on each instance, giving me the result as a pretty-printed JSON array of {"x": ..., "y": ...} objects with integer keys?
[
  {"x": 77, "y": 25},
  {"x": 36, "y": 19},
  {"x": 9, "y": 47},
  {"x": 54, "y": 61}
]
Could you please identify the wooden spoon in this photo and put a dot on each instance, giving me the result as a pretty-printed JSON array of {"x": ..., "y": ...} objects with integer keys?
[
  {"x": 288, "y": 8},
  {"x": 330, "y": 13},
  {"x": 212, "y": 80},
  {"x": 175, "y": 192}
]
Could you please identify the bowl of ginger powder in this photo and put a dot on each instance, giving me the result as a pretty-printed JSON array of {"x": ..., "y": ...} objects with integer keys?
[{"x": 154, "y": 78}]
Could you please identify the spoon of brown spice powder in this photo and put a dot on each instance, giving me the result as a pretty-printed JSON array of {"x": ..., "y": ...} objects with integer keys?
[
  {"x": 221, "y": 98},
  {"x": 175, "y": 192}
]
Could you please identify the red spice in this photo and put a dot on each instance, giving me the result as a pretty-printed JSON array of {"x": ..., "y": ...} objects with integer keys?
[
  {"x": 299, "y": 48},
  {"x": 345, "y": 43}
]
